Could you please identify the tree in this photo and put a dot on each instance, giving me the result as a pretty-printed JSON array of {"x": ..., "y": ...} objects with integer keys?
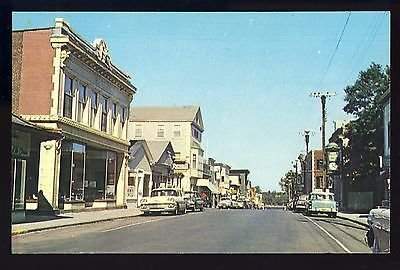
[
  {"x": 365, "y": 133},
  {"x": 290, "y": 184},
  {"x": 258, "y": 189}
]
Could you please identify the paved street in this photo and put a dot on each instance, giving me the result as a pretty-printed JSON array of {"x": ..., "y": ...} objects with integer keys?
[{"x": 213, "y": 231}]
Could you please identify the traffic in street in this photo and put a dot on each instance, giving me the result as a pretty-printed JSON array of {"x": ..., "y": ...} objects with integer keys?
[{"x": 211, "y": 231}]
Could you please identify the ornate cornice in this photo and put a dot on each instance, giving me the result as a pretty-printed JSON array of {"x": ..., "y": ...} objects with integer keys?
[{"x": 94, "y": 55}]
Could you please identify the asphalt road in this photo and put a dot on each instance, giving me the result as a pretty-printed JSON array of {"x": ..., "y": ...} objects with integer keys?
[{"x": 212, "y": 231}]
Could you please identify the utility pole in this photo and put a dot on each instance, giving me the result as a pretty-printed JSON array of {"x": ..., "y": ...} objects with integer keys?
[{"x": 323, "y": 97}]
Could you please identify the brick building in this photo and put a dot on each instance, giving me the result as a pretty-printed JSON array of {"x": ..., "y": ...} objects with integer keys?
[
  {"x": 314, "y": 171},
  {"x": 61, "y": 81}
]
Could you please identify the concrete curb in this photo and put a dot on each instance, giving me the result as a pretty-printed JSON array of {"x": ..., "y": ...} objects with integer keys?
[
  {"x": 352, "y": 220},
  {"x": 24, "y": 231}
]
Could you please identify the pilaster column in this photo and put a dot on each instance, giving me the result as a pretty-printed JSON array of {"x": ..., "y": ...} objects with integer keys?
[{"x": 49, "y": 167}]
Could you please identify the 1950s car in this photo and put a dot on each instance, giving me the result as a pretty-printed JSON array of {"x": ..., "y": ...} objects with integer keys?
[
  {"x": 164, "y": 200},
  {"x": 193, "y": 201},
  {"x": 320, "y": 202},
  {"x": 225, "y": 202},
  {"x": 300, "y": 203},
  {"x": 378, "y": 236}
]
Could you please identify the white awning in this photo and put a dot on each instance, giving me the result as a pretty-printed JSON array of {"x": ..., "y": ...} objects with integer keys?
[{"x": 208, "y": 184}]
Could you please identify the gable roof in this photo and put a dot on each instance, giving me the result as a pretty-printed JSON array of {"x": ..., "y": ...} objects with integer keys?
[
  {"x": 167, "y": 114},
  {"x": 157, "y": 148},
  {"x": 136, "y": 145}
]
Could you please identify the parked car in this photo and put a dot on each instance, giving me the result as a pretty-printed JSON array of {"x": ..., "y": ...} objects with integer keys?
[
  {"x": 193, "y": 201},
  {"x": 164, "y": 200},
  {"x": 225, "y": 202},
  {"x": 378, "y": 236},
  {"x": 320, "y": 202},
  {"x": 300, "y": 203},
  {"x": 240, "y": 204},
  {"x": 235, "y": 204}
]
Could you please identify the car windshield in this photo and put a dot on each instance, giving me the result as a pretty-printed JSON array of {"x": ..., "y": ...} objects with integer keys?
[{"x": 167, "y": 192}]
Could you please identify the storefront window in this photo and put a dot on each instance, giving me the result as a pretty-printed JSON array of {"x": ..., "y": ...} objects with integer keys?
[
  {"x": 111, "y": 173},
  {"x": 78, "y": 171},
  {"x": 72, "y": 171},
  {"x": 95, "y": 175},
  {"x": 18, "y": 171}
]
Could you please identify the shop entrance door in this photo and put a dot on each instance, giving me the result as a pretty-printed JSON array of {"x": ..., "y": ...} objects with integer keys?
[
  {"x": 146, "y": 182},
  {"x": 18, "y": 170}
]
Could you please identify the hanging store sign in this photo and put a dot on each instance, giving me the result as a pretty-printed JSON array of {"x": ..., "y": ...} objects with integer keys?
[{"x": 181, "y": 166}]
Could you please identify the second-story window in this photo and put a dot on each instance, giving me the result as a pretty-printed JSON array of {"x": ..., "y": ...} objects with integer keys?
[
  {"x": 114, "y": 116},
  {"x": 122, "y": 119},
  {"x": 68, "y": 97},
  {"x": 104, "y": 115},
  {"x": 196, "y": 134},
  {"x": 177, "y": 131},
  {"x": 160, "y": 131},
  {"x": 320, "y": 164},
  {"x": 194, "y": 161},
  {"x": 138, "y": 131},
  {"x": 93, "y": 109},
  {"x": 81, "y": 102}
]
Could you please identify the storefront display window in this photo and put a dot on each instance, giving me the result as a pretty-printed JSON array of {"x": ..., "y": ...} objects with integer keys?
[
  {"x": 78, "y": 171},
  {"x": 95, "y": 175},
  {"x": 100, "y": 180},
  {"x": 111, "y": 172},
  {"x": 72, "y": 171}
]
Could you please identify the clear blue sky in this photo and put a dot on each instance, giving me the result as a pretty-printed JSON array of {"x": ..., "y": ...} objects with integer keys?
[{"x": 251, "y": 73}]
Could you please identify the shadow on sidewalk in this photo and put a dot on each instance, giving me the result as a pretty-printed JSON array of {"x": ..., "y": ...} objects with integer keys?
[{"x": 37, "y": 216}]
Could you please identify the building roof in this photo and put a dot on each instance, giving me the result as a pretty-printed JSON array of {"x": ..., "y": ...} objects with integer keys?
[
  {"x": 137, "y": 144},
  {"x": 157, "y": 148},
  {"x": 239, "y": 171},
  {"x": 166, "y": 114},
  {"x": 222, "y": 165}
]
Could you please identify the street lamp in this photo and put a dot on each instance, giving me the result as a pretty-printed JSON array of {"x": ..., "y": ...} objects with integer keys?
[
  {"x": 302, "y": 158},
  {"x": 332, "y": 153}
]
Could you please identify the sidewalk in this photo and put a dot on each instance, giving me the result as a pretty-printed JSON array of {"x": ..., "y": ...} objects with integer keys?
[
  {"x": 70, "y": 219},
  {"x": 356, "y": 218}
]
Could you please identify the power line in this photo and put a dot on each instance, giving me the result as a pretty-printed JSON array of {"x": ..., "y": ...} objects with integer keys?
[
  {"x": 374, "y": 30},
  {"x": 334, "y": 52}
]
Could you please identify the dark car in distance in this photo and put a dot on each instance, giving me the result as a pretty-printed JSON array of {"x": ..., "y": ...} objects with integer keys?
[{"x": 193, "y": 201}]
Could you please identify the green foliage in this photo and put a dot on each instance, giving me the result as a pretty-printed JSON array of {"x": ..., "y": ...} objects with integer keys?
[
  {"x": 291, "y": 182},
  {"x": 274, "y": 198},
  {"x": 365, "y": 134},
  {"x": 258, "y": 189}
]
